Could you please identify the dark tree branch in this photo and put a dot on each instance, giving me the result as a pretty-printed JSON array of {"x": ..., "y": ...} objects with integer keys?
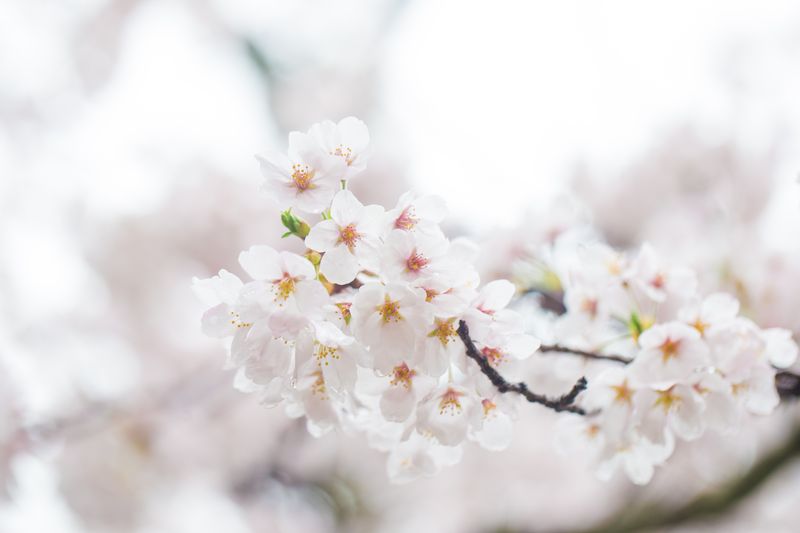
[
  {"x": 788, "y": 384},
  {"x": 548, "y": 300},
  {"x": 588, "y": 355},
  {"x": 562, "y": 403}
]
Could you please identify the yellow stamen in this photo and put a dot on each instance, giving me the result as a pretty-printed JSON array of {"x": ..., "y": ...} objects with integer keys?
[
  {"x": 670, "y": 349},
  {"x": 302, "y": 176},
  {"x": 402, "y": 375},
  {"x": 349, "y": 236},
  {"x": 444, "y": 330},
  {"x": 390, "y": 310}
]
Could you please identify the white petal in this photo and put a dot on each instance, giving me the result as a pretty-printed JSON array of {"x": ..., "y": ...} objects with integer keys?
[
  {"x": 261, "y": 262},
  {"x": 311, "y": 296},
  {"x": 339, "y": 266},
  {"x": 297, "y": 266},
  {"x": 323, "y": 236},
  {"x": 216, "y": 322},
  {"x": 496, "y": 433},
  {"x": 496, "y": 294},
  {"x": 346, "y": 209},
  {"x": 397, "y": 402},
  {"x": 223, "y": 287},
  {"x": 354, "y": 133}
]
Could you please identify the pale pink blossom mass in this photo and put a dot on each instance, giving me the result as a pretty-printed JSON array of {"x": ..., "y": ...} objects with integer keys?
[{"x": 367, "y": 331}]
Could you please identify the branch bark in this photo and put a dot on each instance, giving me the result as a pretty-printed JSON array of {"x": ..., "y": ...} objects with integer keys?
[{"x": 566, "y": 402}]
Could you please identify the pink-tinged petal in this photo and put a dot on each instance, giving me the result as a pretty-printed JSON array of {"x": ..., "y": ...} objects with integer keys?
[
  {"x": 302, "y": 147},
  {"x": 323, "y": 236},
  {"x": 287, "y": 324},
  {"x": 275, "y": 166},
  {"x": 346, "y": 209},
  {"x": 313, "y": 200},
  {"x": 366, "y": 251},
  {"x": 297, "y": 266},
  {"x": 311, "y": 296},
  {"x": 412, "y": 459},
  {"x": 431, "y": 207},
  {"x": 371, "y": 219},
  {"x": 397, "y": 403},
  {"x": 638, "y": 467},
  {"x": 687, "y": 420},
  {"x": 496, "y": 432},
  {"x": 522, "y": 346},
  {"x": 781, "y": 349},
  {"x": 496, "y": 295},
  {"x": 261, "y": 262},
  {"x": 339, "y": 266},
  {"x": 761, "y": 395},
  {"x": 354, "y": 133},
  {"x": 216, "y": 322},
  {"x": 464, "y": 251},
  {"x": 719, "y": 307},
  {"x": 222, "y": 288}
]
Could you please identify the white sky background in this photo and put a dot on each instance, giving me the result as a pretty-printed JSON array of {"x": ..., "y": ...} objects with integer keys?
[
  {"x": 489, "y": 104},
  {"x": 498, "y": 101}
]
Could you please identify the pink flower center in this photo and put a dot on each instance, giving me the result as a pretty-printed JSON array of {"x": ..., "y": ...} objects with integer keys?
[
  {"x": 416, "y": 262},
  {"x": 406, "y": 220},
  {"x": 402, "y": 375},
  {"x": 658, "y": 281},
  {"x": 349, "y": 236},
  {"x": 493, "y": 355},
  {"x": 450, "y": 402}
]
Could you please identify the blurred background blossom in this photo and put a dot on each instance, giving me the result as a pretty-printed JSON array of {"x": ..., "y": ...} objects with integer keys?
[{"x": 127, "y": 135}]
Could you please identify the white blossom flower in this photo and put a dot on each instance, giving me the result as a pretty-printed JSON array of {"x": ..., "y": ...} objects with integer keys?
[
  {"x": 221, "y": 292},
  {"x": 406, "y": 385},
  {"x": 349, "y": 239},
  {"x": 492, "y": 426},
  {"x": 678, "y": 408},
  {"x": 656, "y": 282},
  {"x": 287, "y": 280},
  {"x": 307, "y": 179},
  {"x": 636, "y": 456},
  {"x": 407, "y": 257},
  {"x": 389, "y": 319},
  {"x": 446, "y": 414},
  {"x": 489, "y": 309},
  {"x": 417, "y": 214},
  {"x": 420, "y": 456},
  {"x": 715, "y": 311},
  {"x": 670, "y": 353},
  {"x": 347, "y": 140},
  {"x": 325, "y": 347},
  {"x": 440, "y": 346}
]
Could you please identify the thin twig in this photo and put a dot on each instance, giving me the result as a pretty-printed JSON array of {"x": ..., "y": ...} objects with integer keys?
[
  {"x": 565, "y": 402},
  {"x": 583, "y": 353}
]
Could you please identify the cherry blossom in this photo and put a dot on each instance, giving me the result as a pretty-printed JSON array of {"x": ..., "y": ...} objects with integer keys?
[
  {"x": 348, "y": 140},
  {"x": 306, "y": 179},
  {"x": 382, "y": 327},
  {"x": 349, "y": 239}
]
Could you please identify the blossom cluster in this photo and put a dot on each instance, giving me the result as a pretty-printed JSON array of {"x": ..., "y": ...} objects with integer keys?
[
  {"x": 360, "y": 332},
  {"x": 694, "y": 363}
]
